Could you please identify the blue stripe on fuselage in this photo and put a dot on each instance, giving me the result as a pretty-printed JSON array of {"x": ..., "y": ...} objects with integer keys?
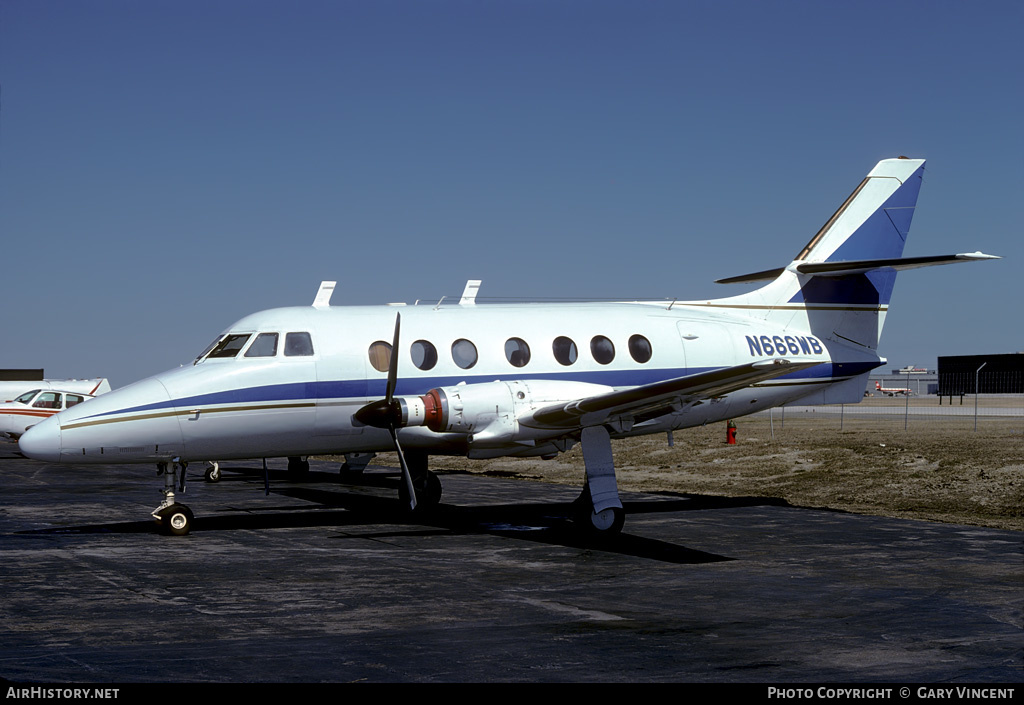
[{"x": 376, "y": 388}]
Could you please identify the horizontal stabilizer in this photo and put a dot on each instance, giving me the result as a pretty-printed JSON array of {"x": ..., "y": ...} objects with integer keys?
[
  {"x": 766, "y": 275},
  {"x": 860, "y": 266},
  {"x": 897, "y": 263}
]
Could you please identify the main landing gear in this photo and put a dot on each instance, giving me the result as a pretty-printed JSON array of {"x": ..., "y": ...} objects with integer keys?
[
  {"x": 599, "y": 511},
  {"x": 298, "y": 468},
  {"x": 355, "y": 463},
  {"x": 425, "y": 483},
  {"x": 176, "y": 519}
]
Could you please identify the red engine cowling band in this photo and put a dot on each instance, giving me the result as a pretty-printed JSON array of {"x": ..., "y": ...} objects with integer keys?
[
  {"x": 430, "y": 410},
  {"x": 435, "y": 410}
]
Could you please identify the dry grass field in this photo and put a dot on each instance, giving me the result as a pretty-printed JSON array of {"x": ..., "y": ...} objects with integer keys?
[{"x": 938, "y": 469}]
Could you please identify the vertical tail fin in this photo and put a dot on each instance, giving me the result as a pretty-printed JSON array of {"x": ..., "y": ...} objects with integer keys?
[
  {"x": 874, "y": 221},
  {"x": 846, "y": 301}
]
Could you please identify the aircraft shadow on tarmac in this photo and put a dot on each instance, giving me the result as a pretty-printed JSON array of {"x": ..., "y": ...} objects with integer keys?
[{"x": 352, "y": 504}]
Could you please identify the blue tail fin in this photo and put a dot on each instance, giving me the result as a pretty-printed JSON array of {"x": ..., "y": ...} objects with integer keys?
[
  {"x": 848, "y": 302},
  {"x": 838, "y": 287}
]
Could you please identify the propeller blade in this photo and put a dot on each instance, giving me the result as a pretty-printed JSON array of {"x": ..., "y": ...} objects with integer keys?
[
  {"x": 382, "y": 413},
  {"x": 386, "y": 413},
  {"x": 406, "y": 475},
  {"x": 393, "y": 362}
]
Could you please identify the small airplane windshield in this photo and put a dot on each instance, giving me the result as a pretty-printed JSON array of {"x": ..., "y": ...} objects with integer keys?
[
  {"x": 49, "y": 400},
  {"x": 27, "y": 396}
]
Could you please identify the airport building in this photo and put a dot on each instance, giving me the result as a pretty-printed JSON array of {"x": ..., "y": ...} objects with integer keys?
[
  {"x": 12, "y": 375},
  {"x": 984, "y": 374}
]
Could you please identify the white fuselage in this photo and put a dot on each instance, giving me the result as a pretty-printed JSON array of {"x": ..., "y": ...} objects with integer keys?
[{"x": 285, "y": 405}]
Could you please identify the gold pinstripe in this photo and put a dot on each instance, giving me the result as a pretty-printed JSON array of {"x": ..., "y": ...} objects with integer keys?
[{"x": 186, "y": 412}]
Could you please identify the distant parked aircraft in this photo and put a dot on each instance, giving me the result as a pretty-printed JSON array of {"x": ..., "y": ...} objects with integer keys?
[
  {"x": 892, "y": 391},
  {"x": 28, "y": 409}
]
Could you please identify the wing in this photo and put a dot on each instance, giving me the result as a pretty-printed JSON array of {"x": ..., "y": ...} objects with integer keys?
[{"x": 652, "y": 400}]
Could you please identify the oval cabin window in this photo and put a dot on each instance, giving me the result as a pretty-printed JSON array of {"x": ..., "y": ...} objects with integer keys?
[
  {"x": 602, "y": 349},
  {"x": 464, "y": 353},
  {"x": 424, "y": 354},
  {"x": 564, "y": 350},
  {"x": 517, "y": 352},
  {"x": 380, "y": 355},
  {"x": 640, "y": 348}
]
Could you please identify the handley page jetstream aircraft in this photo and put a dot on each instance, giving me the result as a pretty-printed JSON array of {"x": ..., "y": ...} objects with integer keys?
[{"x": 513, "y": 379}]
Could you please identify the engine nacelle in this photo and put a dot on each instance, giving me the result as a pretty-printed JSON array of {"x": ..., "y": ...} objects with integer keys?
[{"x": 489, "y": 412}]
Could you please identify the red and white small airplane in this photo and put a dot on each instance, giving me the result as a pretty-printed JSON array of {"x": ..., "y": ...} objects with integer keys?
[
  {"x": 9, "y": 389},
  {"x": 893, "y": 391},
  {"x": 20, "y": 414}
]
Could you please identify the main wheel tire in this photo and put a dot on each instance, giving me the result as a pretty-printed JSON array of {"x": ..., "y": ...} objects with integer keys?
[
  {"x": 298, "y": 469},
  {"x": 428, "y": 492},
  {"x": 177, "y": 520},
  {"x": 606, "y": 523}
]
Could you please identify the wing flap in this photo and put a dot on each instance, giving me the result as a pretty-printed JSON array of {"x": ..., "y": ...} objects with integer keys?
[{"x": 642, "y": 400}]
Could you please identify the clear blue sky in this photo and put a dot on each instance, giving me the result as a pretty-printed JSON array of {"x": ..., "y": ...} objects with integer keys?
[{"x": 168, "y": 167}]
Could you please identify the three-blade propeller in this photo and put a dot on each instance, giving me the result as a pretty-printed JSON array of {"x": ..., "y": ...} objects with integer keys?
[{"x": 387, "y": 413}]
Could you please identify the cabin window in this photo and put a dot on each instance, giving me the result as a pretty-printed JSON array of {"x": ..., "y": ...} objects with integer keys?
[
  {"x": 229, "y": 345},
  {"x": 380, "y": 355},
  {"x": 424, "y": 354},
  {"x": 48, "y": 400},
  {"x": 464, "y": 353},
  {"x": 640, "y": 348},
  {"x": 298, "y": 345},
  {"x": 73, "y": 399},
  {"x": 602, "y": 349},
  {"x": 265, "y": 345},
  {"x": 564, "y": 350},
  {"x": 517, "y": 352}
]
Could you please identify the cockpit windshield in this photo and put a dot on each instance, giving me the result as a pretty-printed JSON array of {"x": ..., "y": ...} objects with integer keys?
[
  {"x": 225, "y": 346},
  {"x": 27, "y": 396},
  {"x": 264, "y": 345},
  {"x": 229, "y": 345}
]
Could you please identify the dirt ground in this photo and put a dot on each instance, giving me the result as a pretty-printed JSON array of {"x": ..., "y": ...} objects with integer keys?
[{"x": 938, "y": 469}]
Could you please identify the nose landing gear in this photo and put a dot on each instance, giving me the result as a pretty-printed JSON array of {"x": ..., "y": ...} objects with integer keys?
[{"x": 176, "y": 519}]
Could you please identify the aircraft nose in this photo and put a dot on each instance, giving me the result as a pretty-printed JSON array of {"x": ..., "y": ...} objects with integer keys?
[{"x": 42, "y": 441}]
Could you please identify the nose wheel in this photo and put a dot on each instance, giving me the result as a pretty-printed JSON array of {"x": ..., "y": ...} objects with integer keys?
[{"x": 174, "y": 518}]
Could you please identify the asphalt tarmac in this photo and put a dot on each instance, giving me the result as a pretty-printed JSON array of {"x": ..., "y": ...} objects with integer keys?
[{"x": 323, "y": 581}]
